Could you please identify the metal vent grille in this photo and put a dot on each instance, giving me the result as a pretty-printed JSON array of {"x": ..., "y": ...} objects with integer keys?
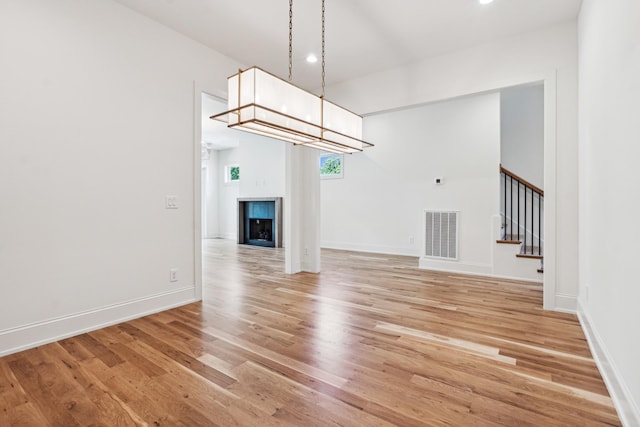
[{"x": 441, "y": 234}]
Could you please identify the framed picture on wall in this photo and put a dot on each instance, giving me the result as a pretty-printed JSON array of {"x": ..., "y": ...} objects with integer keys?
[
  {"x": 331, "y": 166},
  {"x": 231, "y": 173}
]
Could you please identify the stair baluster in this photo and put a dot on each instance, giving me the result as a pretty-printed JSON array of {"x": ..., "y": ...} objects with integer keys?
[{"x": 531, "y": 228}]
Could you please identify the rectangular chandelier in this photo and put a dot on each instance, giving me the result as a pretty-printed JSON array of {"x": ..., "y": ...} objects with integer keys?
[{"x": 262, "y": 103}]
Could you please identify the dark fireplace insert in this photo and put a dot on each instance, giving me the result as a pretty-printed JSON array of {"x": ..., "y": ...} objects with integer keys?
[{"x": 260, "y": 230}]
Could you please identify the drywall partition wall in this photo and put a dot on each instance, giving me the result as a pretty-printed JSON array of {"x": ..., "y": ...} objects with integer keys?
[
  {"x": 522, "y": 132},
  {"x": 262, "y": 174},
  {"x": 228, "y": 193},
  {"x": 301, "y": 207},
  {"x": 96, "y": 128},
  {"x": 386, "y": 188},
  {"x": 262, "y": 166},
  {"x": 548, "y": 55},
  {"x": 609, "y": 52},
  {"x": 210, "y": 180},
  {"x": 211, "y": 140}
]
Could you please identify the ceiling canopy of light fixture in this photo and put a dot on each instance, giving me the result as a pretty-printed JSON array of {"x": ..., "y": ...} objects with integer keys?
[{"x": 262, "y": 103}]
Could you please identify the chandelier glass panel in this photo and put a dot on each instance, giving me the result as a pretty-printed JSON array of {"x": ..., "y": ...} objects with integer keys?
[{"x": 262, "y": 103}]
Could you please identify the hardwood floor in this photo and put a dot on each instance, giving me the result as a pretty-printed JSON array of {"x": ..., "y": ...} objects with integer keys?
[{"x": 371, "y": 341}]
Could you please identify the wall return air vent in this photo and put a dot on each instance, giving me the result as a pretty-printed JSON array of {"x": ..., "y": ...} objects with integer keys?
[{"x": 441, "y": 234}]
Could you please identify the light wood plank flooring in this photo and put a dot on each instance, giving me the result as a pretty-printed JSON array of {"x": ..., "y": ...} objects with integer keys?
[{"x": 371, "y": 341}]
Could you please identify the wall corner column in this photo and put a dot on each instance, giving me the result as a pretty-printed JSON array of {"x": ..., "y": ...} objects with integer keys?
[{"x": 302, "y": 210}]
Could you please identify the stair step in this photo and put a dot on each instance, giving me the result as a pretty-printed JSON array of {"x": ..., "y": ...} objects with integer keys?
[
  {"x": 529, "y": 256},
  {"x": 515, "y": 236},
  {"x": 527, "y": 250},
  {"x": 509, "y": 242}
]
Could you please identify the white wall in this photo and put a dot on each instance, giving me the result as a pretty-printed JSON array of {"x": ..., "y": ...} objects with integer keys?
[
  {"x": 227, "y": 195},
  {"x": 302, "y": 210},
  {"x": 522, "y": 132},
  {"x": 262, "y": 174},
  {"x": 549, "y": 54},
  {"x": 211, "y": 179},
  {"x": 96, "y": 127},
  {"x": 609, "y": 51},
  {"x": 378, "y": 205},
  {"x": 262, "y": 166}
]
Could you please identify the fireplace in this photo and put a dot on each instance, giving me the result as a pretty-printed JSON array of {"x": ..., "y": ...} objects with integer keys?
[
  {"x": 261, "y": 231},
  {"x": 260, "y": 221}
]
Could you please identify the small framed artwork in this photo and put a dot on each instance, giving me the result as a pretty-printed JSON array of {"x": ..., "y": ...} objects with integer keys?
[
  {"x": 231, "y": 173},
  {"x": 331, "y": 166}
]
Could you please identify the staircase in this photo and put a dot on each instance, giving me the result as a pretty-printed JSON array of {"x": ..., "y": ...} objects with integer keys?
[{"x": 521, "y": 216}]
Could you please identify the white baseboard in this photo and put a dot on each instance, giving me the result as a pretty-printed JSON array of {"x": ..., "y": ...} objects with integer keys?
[
  {"x": 296, "y": 268},
  {"x": 455, "y": 267},
  {"x": 622, "y": 399},
  {"x": 520, "y": 279},
  {"x": 481, "y": 274},
  {"x": 309, "y": 267},
  {"x": 28, "y": 336},
  {"x": 228, "y": 236},
  {"x": 374, "y": 249},
  {"x": 566, "y": 304}
]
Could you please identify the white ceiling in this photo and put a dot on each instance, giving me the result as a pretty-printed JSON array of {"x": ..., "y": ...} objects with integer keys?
[{"x": 362, "y": 36}]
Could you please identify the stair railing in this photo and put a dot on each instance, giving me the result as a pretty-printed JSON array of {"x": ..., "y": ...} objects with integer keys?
[{"x": 522, "y": 207}]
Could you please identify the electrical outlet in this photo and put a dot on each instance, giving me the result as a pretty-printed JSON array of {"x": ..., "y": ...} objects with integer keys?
[
  {"x": 171, "y": 202},
  {"x": 411, "y": 240},
  {"x": 173, "y": 275}
]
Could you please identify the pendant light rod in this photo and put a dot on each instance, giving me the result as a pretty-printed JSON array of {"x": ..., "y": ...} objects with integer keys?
[
  {"x": 291, "y": 39},
  {"x": 323, "y": 50}
]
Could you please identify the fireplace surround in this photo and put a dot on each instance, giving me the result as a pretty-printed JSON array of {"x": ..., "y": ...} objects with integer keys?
[{"x": 260, "y": 221}]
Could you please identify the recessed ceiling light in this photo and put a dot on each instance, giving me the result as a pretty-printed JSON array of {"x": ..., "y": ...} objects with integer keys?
[
  {"x": 312, "y": 59},
  {"x": 485, "y": 1}
]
